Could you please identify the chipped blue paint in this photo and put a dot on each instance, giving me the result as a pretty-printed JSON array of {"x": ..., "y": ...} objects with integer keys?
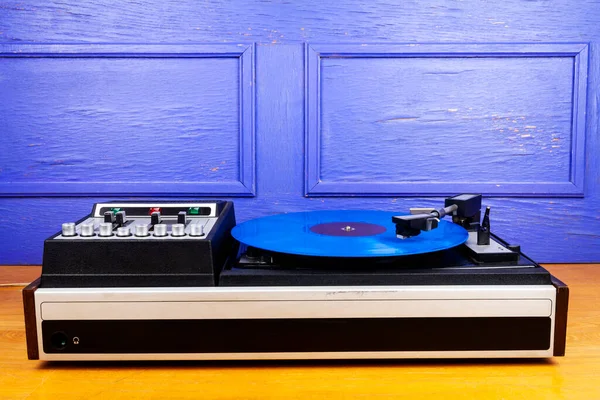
[
  {"x": 132, "y": 136},
  {"x": 423, "y": 78}
]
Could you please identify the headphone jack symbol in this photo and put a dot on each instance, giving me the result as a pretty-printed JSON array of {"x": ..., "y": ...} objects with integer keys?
[{"x": 75, "y": 340}]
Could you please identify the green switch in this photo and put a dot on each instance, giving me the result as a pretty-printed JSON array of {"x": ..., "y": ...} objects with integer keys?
[{"x": 194, "y": 210}]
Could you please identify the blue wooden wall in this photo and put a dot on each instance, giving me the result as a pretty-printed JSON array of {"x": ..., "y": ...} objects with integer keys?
[{"x": 307, "y": 105}]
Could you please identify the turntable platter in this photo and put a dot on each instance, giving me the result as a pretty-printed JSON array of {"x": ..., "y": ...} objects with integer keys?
[{"x": 345, "y": 233}]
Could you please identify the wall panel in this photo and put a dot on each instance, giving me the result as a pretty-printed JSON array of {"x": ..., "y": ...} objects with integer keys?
[
  {"x": 411, "y": 93},
  {"x": 427, "y": 119},
  {"x": 160, "y": 120}
]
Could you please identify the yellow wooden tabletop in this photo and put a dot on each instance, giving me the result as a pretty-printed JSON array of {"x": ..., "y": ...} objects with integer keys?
[{"x": 575, "y": 376}]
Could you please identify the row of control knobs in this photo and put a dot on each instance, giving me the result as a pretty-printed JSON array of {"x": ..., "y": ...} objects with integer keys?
[
  {"x": 105, "y": 229},
  {"x": 119, "y": 221}
]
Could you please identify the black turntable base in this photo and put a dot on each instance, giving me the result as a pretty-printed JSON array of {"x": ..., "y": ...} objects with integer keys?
[
  {"x": 356, "y": 247},
  {"x": 453, "y": 266}
]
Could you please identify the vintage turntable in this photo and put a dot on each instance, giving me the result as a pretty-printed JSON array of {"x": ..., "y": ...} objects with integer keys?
[{"x": 323, "y": 284}]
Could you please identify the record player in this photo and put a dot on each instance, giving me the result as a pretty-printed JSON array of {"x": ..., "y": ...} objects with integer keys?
[{"x": 182, "y": 281}]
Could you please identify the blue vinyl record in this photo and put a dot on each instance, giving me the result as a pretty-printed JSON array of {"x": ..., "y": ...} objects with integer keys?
[{"x": 345, "y": 233}]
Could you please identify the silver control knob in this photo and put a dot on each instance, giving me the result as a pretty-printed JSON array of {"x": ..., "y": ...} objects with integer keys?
[
  {"x": 123, "y": 231},
  {"x": 87, "y": 229},
  {"x": 178, "y": 230},
  {"x": 160, "y": 230},
  {"x": 68, "y": 229},
  {"x": 141, "y": 230},
  {"x": 196, "y": 230},
  {"x": 106, "y": 229}
]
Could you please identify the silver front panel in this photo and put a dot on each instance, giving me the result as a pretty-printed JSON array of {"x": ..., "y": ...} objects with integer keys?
[{"x": 294, "y": 302}]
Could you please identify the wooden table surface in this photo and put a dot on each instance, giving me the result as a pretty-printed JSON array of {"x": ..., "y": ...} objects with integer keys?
[{"x": 576, "y": 376}]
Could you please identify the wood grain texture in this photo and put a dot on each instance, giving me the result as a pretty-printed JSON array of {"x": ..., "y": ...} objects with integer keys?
[
  {"x": 29, "y": 311},
  {"x": 19, "y": 275},
  {"x": 156, "y": 119},
  {"x": 296, "y": 22},
  {"x": 571, "y": 377},
  {"x": 548, "y": 228},
  {"x": 510, "y": 111}
]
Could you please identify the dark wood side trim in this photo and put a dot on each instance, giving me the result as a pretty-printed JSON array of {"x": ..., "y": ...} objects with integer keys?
[
  {"x": 560, "y": 323},
  {"x": 30, "y": 320}
]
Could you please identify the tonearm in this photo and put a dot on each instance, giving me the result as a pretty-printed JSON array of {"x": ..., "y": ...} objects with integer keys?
[{"x": 464, "y": 208}]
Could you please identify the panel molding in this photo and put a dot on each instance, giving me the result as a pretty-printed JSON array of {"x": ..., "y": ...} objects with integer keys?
[
  {"x": 245, "y": 186},
  {"x": 316, "y": 187}
]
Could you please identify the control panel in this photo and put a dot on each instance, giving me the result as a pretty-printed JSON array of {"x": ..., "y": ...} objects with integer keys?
[
  {"x": 139, "y": 221},
  {"x": 136, "y": 244}
]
